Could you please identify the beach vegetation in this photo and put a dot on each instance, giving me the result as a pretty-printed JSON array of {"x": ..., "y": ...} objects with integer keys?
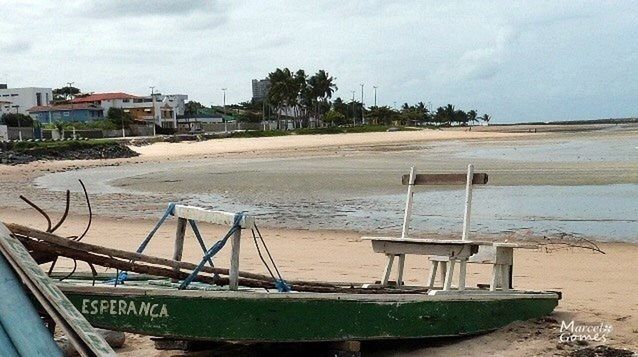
[{"x": 16, "y": 120}]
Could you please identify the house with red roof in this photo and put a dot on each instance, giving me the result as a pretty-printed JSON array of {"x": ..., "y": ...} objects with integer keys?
[{"x": 155, "y": 108}]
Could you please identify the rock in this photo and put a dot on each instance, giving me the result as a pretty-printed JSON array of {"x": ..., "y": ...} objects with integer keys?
[
  {"x": 115, "y": 339},
  {"x": 602, "y": 351}
]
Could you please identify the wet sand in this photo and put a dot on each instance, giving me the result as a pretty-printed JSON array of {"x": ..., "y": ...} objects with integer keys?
[
  {"x": 583, "y": 184},
  {"x": 597, "y": 288}
]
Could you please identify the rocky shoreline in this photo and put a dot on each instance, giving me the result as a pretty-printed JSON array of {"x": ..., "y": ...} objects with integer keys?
[{"x": 23, "y": 153}]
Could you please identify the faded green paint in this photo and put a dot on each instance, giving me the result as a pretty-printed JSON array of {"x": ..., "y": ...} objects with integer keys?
[{"x": 305, "y": 319}]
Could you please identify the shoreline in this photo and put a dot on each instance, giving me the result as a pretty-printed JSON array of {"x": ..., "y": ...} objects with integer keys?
[
  {"x": 598, "y": 288},
  {"x": 322, "y": 180}
]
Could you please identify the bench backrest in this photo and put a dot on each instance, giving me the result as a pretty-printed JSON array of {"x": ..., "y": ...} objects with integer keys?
[{"x": 468, "y": 179}]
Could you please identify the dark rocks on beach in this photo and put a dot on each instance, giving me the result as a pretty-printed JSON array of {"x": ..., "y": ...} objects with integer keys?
[
  {"x": 107, "y": 150},
  {"x": 602, "y": 351}
]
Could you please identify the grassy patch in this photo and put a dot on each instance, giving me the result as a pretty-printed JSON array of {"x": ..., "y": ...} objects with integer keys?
[{"x": 258, "y": 134}]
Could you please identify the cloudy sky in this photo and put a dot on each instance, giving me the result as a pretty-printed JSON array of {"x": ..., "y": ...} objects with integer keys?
[{"x": 519, "y": 61}]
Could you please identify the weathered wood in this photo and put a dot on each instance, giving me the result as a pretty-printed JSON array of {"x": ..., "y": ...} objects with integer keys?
[
  {"x": 427, "y": 241},
  {"x": 388, "y": 269},
  {"x": 445, "y": 179},
  {"x": 25, "y": 332},
  {"x": 84, "y": 337},
  {"x": 496, "y": 277},
  {"x": 234, "y": 260},
  {"x": 64, "y": 242},
  {"x": 215, "y": 217},
  {"x": 179, "y": 241},
  {"x": 124, "y": 265},
  {"x": 468, "y": 202},
  {"x": 449, "y": 275},
  {"x": 257, "y": 316},
  {"x": 400, "y": 268},
  {"x": 111, "y": 262},
  {"x": 462, "y": 273},
  {"x": 432, "y": 276},
  {"x": 450, "y": 250},
  {"x": 407, "y": 214}
]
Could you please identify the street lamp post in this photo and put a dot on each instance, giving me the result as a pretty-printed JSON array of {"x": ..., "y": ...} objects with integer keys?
[
  {"x": 70, "y": 85},
  {"x": 362, "y": 106},
  {"x": 224, "y": 114},
  {"x": 375, "y": 95},
  {"x": 19, "y": 125},
  {"x": 354, "y": 115}
]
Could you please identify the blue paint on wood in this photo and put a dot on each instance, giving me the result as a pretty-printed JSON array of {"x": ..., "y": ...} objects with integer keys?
[
  {"x": 20, "y": 319},
  {"x": 7, "y": 349}
]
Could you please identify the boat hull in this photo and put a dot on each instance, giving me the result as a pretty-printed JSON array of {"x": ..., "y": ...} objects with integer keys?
[{"x": 287, "y": 317}]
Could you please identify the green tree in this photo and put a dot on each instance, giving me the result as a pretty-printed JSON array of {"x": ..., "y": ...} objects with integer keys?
[
  {"x": 339, "y": 106},
  {"x": 283, "y": 90},
  {"x": 333, "y": 117},
  {"x": 486, "y": 118},
  {"x": 382, "y": 115},
  {"x": 119, "y": 117},
  {"x": 65, "y": 93},
  {"x": 16, "y": 120},
  {"x": 471, "y": 115},
  {"x": 192, "y": 107}
]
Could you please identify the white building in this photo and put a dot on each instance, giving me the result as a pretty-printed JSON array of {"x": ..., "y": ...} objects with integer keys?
[
  {"x": 21, "y": 99},
  {"x": 177, "y": 101},
  {"x": 157, "y": 108}
]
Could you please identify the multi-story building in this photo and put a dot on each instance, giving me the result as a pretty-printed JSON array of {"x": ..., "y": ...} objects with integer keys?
[
  {"x": 4, "y": 103},
  {"x": 157, "y": 108},
  {"x": 260, "y": 89},
  {"x": 177, "y": 101},
  {"x": 21, "y": 99}
]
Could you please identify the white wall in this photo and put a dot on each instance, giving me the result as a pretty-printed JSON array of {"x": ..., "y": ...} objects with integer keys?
[{"x": 25, "y": 98}]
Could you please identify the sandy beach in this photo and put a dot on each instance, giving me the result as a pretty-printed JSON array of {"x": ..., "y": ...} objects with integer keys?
[{"x": 597, "y": 288}]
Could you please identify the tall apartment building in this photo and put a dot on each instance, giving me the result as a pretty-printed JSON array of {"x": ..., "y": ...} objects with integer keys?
[
  {"x": 260, "y": 88},
  {"x": 19, "y": 100}
]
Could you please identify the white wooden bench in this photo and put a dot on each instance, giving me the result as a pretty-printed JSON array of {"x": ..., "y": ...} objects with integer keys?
[{"x": 500, "y": 255}]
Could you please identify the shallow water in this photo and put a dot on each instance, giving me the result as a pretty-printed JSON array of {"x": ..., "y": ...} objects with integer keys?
[
  {"x": 581, "y": 186},
  {"x": 604, "y": 212}
]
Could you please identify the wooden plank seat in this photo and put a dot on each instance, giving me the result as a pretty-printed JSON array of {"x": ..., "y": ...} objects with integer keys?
[{"x": 499, "y": 254}]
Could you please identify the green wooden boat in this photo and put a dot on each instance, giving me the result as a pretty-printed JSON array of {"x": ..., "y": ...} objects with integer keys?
[
  {"x": 248, "y": 307},
  {"x": 250, "y": 315}
]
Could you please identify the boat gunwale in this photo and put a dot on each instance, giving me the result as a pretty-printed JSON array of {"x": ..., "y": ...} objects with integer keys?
[{"x": 246, "y": 294}]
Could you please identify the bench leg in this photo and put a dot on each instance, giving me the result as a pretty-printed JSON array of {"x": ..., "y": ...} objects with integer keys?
[
  {"x": 462, "y": 273},
  {"x": 496, "y": 277},
  {"x": 388, "y": 270},
  {"x": 433, "y": 265},
  {"x": 443, "y": 267},
  {"x": 449, "y": 274},
  {"x": 400, "y": 270},
  {"x": 505, "y": 277}
]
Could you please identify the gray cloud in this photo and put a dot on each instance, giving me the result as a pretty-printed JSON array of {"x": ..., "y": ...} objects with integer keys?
[
  {"x": 141, "y": 8},
  {"x": 15, "y": 46}
]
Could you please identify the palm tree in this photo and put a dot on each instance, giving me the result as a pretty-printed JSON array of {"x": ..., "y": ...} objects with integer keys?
[
  {"x": 471, "y": 115},
  {"x": 322, "y": 87},
  {"x": 284, "y": 90},
  {"x": 486, "y": 118},
  {"x": 449, "y": 113}
]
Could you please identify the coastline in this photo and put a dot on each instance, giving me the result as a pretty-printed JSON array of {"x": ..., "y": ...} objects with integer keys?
[{"x": 596, "y": 288}]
